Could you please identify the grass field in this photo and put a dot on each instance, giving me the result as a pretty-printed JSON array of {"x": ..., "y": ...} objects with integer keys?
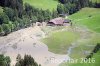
[
  {"x": 44, "y": 4},
  {"x": 85, "y": 46},
  {"x": 94, "y": 61},
  {"x": 59, "y": 42},
  {"x": 89, "y": 17}
]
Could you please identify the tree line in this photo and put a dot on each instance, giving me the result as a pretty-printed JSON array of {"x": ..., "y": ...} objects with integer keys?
[
  {"x": 17, "y": 15},
  {"x": 95, "y": 50},
  {"x": 72, "y": 6},
  {"x": 26, "y": 61}
]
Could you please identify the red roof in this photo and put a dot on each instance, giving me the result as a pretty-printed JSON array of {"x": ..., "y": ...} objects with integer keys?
[{"x": 58, "y": 20}]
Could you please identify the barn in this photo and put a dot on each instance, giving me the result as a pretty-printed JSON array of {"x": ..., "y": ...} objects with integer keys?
[{"x": 57, "y": 22}]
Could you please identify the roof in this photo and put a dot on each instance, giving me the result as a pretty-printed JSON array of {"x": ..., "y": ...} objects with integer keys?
[{"x": 58, "y": 20}]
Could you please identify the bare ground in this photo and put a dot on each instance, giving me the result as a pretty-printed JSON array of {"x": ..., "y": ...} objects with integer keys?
[{"x": 26, "y": 41}]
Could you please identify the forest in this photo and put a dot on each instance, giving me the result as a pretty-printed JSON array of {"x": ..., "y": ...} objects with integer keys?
[{"x": 26, "y": 61}]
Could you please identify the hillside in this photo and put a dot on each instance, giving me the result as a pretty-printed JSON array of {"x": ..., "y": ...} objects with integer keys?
[
  {"x": 88, "y": 17},
  {"x": 44, "y": 4}
]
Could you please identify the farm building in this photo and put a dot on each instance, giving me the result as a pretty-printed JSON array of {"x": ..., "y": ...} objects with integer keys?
[{"x": 58, "y": 21}]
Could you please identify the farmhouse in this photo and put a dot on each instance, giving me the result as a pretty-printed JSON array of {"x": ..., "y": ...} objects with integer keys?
[{"x": 58, "y": 21}]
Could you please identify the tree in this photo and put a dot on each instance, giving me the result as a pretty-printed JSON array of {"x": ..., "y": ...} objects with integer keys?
[
  {"x": 16, "y": 25},
  {"x": 63, "y": 1},
  {"x": 97, "y": 4},
  {"x": 95, "y": 50},
  {"x": 28, "y": 9},
  {"x": 6, "y": 29},
  {"x": 8, "y": 60},
  {"x": 26, "y": 61},
  {"x": 20, "y": 23},
  {"x": 1, "y": 31},
  {"x": 10, "y": 13},
  {"x": 34, "y": 19},
  {"x": 47, "y": 15},
  {"x": 40, "y": 18},
  {"x": 54, "y": 14},
  {"x": 60, "y": 9},
  {"x": 11, "y": 25},
  {"x": 18, "y": 57},
  {"x": 3, "y": 18},
  {"x": 71, "y": 6},
  {"x": 2, "y": 2},
  {"x": 4, "y": 60}
]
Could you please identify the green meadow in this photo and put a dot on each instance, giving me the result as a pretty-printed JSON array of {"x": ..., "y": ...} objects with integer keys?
[
  {"x": 94, "y": 61},
  {"x": 88, "y": 17},
  {"x": 59, "y": 42},
  {"x": 44, "y": 4},
  {"x": 85, "y": 46}
]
